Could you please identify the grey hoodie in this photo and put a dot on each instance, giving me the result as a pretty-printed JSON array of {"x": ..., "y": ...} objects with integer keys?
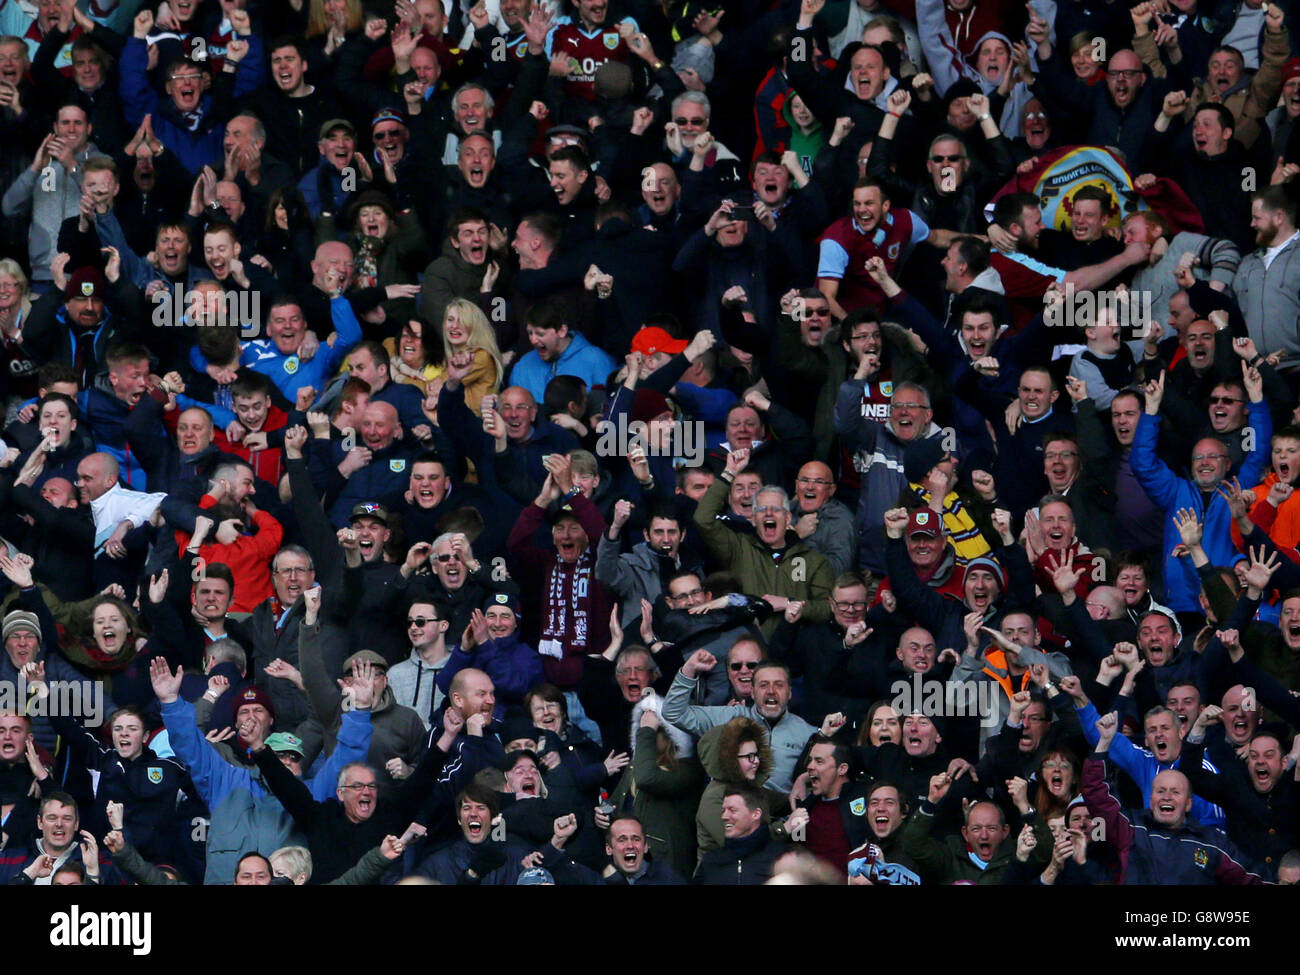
[{"x": 50, "y": 196}]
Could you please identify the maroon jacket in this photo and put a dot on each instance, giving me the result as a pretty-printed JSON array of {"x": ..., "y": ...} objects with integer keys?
[{"x": 532, "y": 566}]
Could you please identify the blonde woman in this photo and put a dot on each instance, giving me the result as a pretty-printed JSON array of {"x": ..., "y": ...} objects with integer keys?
[
  {"x": 412, "y": 360},
  {"x": 466, "y": 329},
  {"x": 15, "y": 305}
]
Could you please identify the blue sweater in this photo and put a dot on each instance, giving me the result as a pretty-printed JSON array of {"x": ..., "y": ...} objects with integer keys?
[
  {"x": 582, "y": 359},
  {"x": 1172, "y": 492},
  {"x": 1143, "y": 767}
]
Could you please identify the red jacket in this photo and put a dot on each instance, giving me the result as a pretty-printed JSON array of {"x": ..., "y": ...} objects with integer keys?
[
  {"x": 268, "y": 464},
  {"x": 249, "y": 558}
]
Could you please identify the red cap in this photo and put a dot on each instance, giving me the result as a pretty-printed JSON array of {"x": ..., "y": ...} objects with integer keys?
[
  {"x": 254, "y": 695},
  {"x": 924, "y": 522},
  {"x": 652, "y": 339},
  {"x": 1291, "y": 70}
]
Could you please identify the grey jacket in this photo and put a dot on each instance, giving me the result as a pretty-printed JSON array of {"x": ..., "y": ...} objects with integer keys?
[
  {"x": 835, "y": 536},
  {"x": 50, "y": 200},
  {"x": 414, "y": 684},
  {"x": 631, "y": 577},
  {"x": 1217, "y": 260},
  {"x": 1270, "y": 301},
  {"x": 787, "y": 737}
]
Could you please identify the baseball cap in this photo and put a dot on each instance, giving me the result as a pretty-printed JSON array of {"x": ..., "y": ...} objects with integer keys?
[
  {"x": 337, "y": 123},
  {"x": 370, "y": 509},
  {"x": 282, "y": 741},
  {"x": 652, "y": 339},
  {"x": 923, "y": 521}
]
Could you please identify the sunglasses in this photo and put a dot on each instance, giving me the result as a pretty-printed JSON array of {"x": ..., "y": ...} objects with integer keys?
[
  {"x": 692, "y": 121},
  {"x": 420, "y": 620},
  {"x": 944, "y": 159},
  {"x": 1225, "y": 400},
  {"x": 447, "y": 557},
  {"x": 743, "y": 665}
]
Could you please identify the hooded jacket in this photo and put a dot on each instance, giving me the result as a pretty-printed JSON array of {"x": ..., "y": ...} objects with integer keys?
[
  {"x": 663, "y": 799},
  {"x": 718, "y": 751}
]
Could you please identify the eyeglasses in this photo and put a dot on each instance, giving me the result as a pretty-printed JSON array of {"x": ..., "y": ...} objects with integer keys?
[
  {"x": 819, "y": 481},
  {"x": 1125, "y": 72},
  {"x": 764, "y": 508},
  {"x": 362, "y": 787},
  {"x": 849, "y": 607},
  {"x": 1055, "y": 764},
  {"x": 387, "y": 133},
  {"x": 1034, "y": 115},
  {"x": 1197, "y": 458},
  {"x": 185, "y": 77},
  {"x": 748, "y": 757},
  {"x": 633, "y": 669},
  {"x": 687, "y": 595},
  {"x": 699, "y": 122},
  {"x": 909, "y": 406},
  {"x": 1225, "y": 400},
  {"x": 293, "y": 571},
  {"x": 944, "y": 159},
  {"x": 420, "y": 620},
  {"x": 740, "y": 665},
  {"x": 1060, "y": 454}
]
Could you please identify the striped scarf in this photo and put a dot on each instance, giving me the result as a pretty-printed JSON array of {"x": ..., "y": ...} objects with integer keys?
[{"x": 967, "y": 541}]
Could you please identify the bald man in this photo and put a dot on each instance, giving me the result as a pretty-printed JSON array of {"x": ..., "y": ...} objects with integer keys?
[
  {"x": 117, "y": 512},
  {"x": 821, "y": 521},
  {"x": 376, "y": 470},
  {"x": 520, "y": 442},
  {"x": 1159, "y": 845},
  {"x": 336, "y": 256}
]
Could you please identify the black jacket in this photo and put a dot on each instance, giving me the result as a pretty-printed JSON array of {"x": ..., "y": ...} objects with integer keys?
[{"x": 745, "y": 862}]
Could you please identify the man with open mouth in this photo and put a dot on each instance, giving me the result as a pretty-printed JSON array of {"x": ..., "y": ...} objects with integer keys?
[
  {"x": 1163, "y": 751},
  {"x": 833, "y": 819},
  {"x": 881, "y": 859},
  {"x": 980, "y": 855},
  {"x": 1261, "y": 816},
  {"x": 482, "y": 854},
  {"x": 1166, "y": 842},
  {"x": 765, "y": 561},
  {"x": 59, "y": 843}
]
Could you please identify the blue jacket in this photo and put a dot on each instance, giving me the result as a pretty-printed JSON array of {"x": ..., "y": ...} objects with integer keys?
[
  {"x": 1193, "y": 855},
  {"x": 1143, "y": 767},
  {"x": 582, "y": 359},
  {"x": 288, "y": 372},
  {"x": 194, "y": 148},
  {"x": 1172, "y": 492},
  {"x": 245, "y": 816},
  {"x": 513, "y": 665}
]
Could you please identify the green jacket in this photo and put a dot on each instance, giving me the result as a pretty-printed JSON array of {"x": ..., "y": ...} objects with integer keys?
[
  {"x": 802, "y": 573},
  {"x": 946, "y": 861},
  {"x": 664, "y": 800}
]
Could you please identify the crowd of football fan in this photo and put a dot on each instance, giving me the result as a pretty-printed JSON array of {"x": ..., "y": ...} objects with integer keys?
[{"x": 505, "y": 444}]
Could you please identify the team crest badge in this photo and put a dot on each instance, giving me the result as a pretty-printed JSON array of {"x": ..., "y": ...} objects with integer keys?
[
  {"x": 155, "y": 775},
  {"x": 397, "y": 466},
  {"x": 502, "y": 598},
  {"x": 521, "y": 51},
  {"x": 922, "y": 518},
  {"x": 87, "y": 288},
  {"x": 612, "y": 39},
  {"x": 858, "y": 807},
  {"x": 291, "y": 364},
  {"x": 893, "y": 251},
  {"x": 887, "y": 389},
  {"x": 1200, "y": 858}
]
